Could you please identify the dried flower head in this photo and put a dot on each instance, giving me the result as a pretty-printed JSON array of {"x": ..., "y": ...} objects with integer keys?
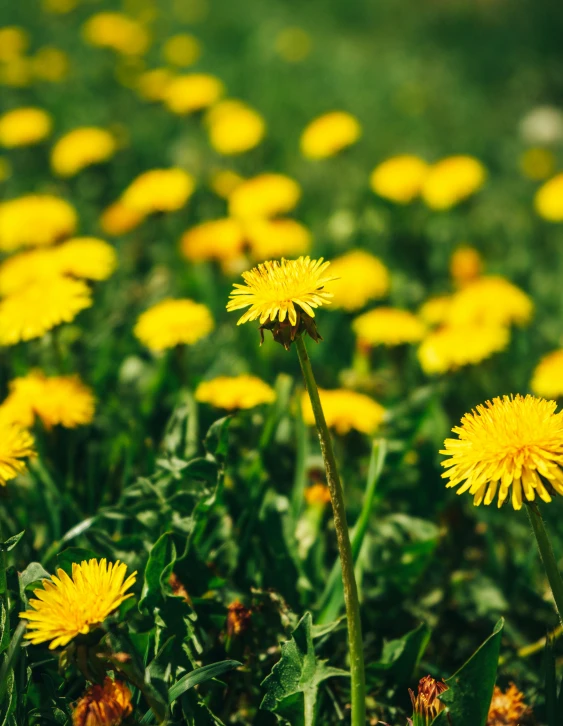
[
  {"x": 103, "y": 705},
  {"x": 426, "y": 704},
  {"x": 509, "y": 709},
  {"x": 238, "y": 618}
]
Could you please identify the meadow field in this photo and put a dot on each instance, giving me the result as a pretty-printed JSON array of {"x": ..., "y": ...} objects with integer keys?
[{"x": 208, "y": 208}]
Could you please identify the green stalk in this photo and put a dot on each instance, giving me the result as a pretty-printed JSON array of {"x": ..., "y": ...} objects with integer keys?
[
  {"x": 355, "y": 642},
  {"x": 547, "y": 556}
]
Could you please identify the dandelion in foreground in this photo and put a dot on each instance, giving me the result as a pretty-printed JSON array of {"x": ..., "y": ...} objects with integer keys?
[
  {"x": 173, "y": 322},
  {"x": 103, "y": 705},
  {"x": 68, "y": 607},
  {"x": 512, "y": 445},
  {"x": 16, "y": 444},
  {"x": 508, "y": 708},
  {"x": 426, "y": 704}
]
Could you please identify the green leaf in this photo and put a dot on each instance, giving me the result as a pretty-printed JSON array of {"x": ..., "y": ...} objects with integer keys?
[
  {"x": 400, "y": 657},
  {"x": 470, "y": 690},
  {"x": 73, "y": 555},
  {"x": 293, "y": 684},
  {"x": 200, "y": 675},
  {"x": 11, "y": 542},
  {"x": 34, "y": 572},
  {"x": 217, "y": 438},
  {"x": 550, "y": 685},
  {"x": 157, "y": 572}
]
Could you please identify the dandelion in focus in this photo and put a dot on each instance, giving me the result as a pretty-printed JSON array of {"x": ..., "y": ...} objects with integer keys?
[
  {"x": 234, "y": 127},
  {"x": 221, "y": 240},
  {"x": 80, "y": 148},
  {"x": 426, "y": 704},
  {"x": 265, "y": 195},
  {"x": 16, "y": 445},
  {"x": 547, "y": 379},
  {"x": 193, "y": 92},
  {"x": 452, "y": 347},
  {"x": 68, "y": 607},
  {"x": 326, "y": 135},
  {"x": 159, "y": 190},
  {"x": 35, "y": 219},
  {"x": 399, "y": 178},
  {"x": 548, "y": 201},
  {"x": 346, "y": 410},
  {"x": 452, "y": 180},
  {"x": 360, "y": 277},
  {"x": 118, "y": 32},
  {"x": 103, "y": 705},
  {"x": 173, "y": 322},
  {"x": 490, "y": 300},
  {"x": 388, "y": 326},
  {"x": 181, "y": 50},
  {"x": 508, "y": 708},
  {"x": 271, "y": 238},
  {"x": 24, "y": 127},
  {"x": 235, "y": 392}
]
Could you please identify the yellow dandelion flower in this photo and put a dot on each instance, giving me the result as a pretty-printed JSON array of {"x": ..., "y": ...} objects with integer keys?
[
  {"x": 452, "y": 180},
  {"x": 152, "y": 85},
  {"x": 20, "y": 270},
  {"x": 31, "y": 312},
  {"x": 346, "y": 410},
  {"x": 388, "y": 326},
  {"x": 35, "y": 219},
  {"x": 466, "y": 265},
  {"x": 235, "y": 392},
  {"x": 293, "y": 44},
  {"x": 234, "y": 127},
  {"x": 181, "y": 50},
  {"x": 24, "y": 127},
  {"x": 13, "y": 42},
  {"x": 360, "y": 277},
  {"x": 450, "y": 348},
  {"x": 548, "y": 201},
  {"x": 265, "y": 195},
  {"x": 80, "y": 148},
  {"x": 269, "y": 238},
  {"x": 317, "y": 494},
  {"x": 435, "y": 310},
  {"x": 547, "y": 379},
  {"x": 50, "y": 64},
  {"x": 159, "y": 190},
  {"x": 217, "y": 239},
  {"x": 328, "y": 134},
  {"x": 537, "y": 163},
  {"x": 116, "y": 31},
  {"x": 192, "y": 92},
  {"x": 16, "y": 444},
  {"x": 224, "y": 182},
  {"x": 516, "y": 443},
  {"x": 66, "y": 608},
  {"x": 490, "y": 300},
  {"x": 59, "y": 7},
  {"x": 508, "y": 708},
  {"x": 118, "y": 219},
  {"x": 275, "y": 289},
  {"x": 103, "y": 705},
  {"x": 17, "y": 408},
  {"x": 399, "y": 178},
  {"x": 17, "y": 73},
  {"x": 173, "y": 322}
]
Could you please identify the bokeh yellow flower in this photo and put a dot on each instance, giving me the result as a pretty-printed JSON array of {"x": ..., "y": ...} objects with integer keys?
[
  {"x": 159, "y": 190},
  {"x": 388, "y": 326},
  {"x": 234, "y": 127},
  {"x": 317, "y": 494},
  {"x": 328, "y": 134},
  {"x": 235, "y": 392},
  {"x": 35, "y": 219},
  {"x": 490, "y": 300},
  {"x": 67, "y": 607},
  {"x": 537, "y": 163},
  {"x": 118, "y": 219},
  {"x": 346, "y": 410},
  {"x": 548, "y": 201},
  {"x": 5, "y": 169},
  {"x": 50, "y": 64},
  {"x": 13, "y": 42},
  {"x": 508, "y": 708},
  {"x": 271, "y": 238},
  {"x": 80, "y": 148},
  {"x": 103, "y": 705},
  {"x": 514, "y": 443},
  {"x": 435, "y": 310},
  {"x": 277, "y": 290},
  {"x": 16, "y": 444},
  {"x": 293, "y": 44},
  {"x": 192, "y": 92},
  {"x": 452, "y": 347},
  {"x": 224, "y": 181},
  {"x": 399, "y": 178},
  {"x": 17, "y": 73},
  {"x": 547, "y": 379},
  {"x": 24, "y": 127},
  {"x": 58, "y": 7},
  {"x": 466, "y": 265},
  {"x": 37, "y": 308},
  {"x": 265, "y": 195},
  {"x": 116, "y": 31},
  {"x": 152, "y": 85},
  {"x": 452, "y": 180},
  {"x": 360, "y": 277},
  {"x": 218, "y": 239},
  {"x": 173, "y": 322},
  {"x": 181, "y": 50}
]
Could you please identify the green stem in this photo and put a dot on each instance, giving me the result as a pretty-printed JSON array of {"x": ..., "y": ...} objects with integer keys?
[
  {"x": 351, "y": 599},
  {"x": 548, "y": 558}
]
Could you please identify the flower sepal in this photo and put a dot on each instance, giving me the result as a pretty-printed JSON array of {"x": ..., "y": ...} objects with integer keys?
[
  {"x": 86, "y": 654},
  {"x": 285, "y": 333}
]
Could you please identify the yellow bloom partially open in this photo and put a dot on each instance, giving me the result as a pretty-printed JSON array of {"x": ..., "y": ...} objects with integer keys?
[
  {"x": 16, "y": 444},
  {"x": 265, "y": 195},
  {"x": 399, "y": 178},
  {"x": 159, "y": 190},
  {"x": 234, "y": 127},
  {"x": 35, "y": 219},
  {"x": 80, "y": 148},
  {"x": 547, "y": 379},
  {"x": 103, "y": 705},
  {"x": 512, "y": 445},
  {"x": 452, "y": 180},
  {"x": 330, "y": 133},
  {"x": 548, "y": 201},
  {"x": 235, "y": 392},
  {"x": 360, "y": 277},
  {"x": 67, "y": 607},
  {"x": 192, "y": 92},
  {"x": 24, "y": 127},
  {"x": 346, "y": 410},
  {"x": 173, "y": 322},
  {"x": 388, "y": 326}
]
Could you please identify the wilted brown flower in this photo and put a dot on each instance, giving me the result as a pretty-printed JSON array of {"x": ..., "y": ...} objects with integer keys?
[
  {"x": 426, "y": 704},
  {"x": 508, "y": 708},
  {"x": 105, "y": 705},
  {"x": 238, "y": 619}
]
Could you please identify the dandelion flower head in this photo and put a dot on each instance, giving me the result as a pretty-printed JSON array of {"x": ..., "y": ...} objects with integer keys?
[
  {"x": 317, "y": 494},
  {"x": 537, "y": 163},
  {"x": 452, "y": 347},
  {"x": 173, "y": 322},
  {"x": 271, "y": 238},
  {"x": 265, "y": 195},
  {"x": 181, "y": 50},
  {"x": 35, "y": 220},
  {"x": 216, "y": 239},
  {"x": 235, "y": 392},
  {"x": 508, "y": 708},
  {"x": 514, "y": 444},
  {"x": 328, "y": 134},
  {"x": 547, "y": 379},
  {"x": 399, "y": 178},
  {"x": 159, "y": 190},
  {"x": 152, "y": 85},
  {"x": 103, "y": 705},
  {"x": 80, "y": 148},
  {"x": 548, "y": 201},
  {"x": 117, "y": 31},
  {"x": 490, "y": 300},
  {"x": 51, "y": 64},
  {"x": 16, "y": 444},
  {"x": 192, "y": 92},
  {"x": 118, "y": 219},
  {"x": 388, "y": 326},
  {"x": 452, "y": 180},
  {"x": 24, "y": 127},
  {"x": 13, "y": 42},
  {"x": 361, "y": 277},
  {"x": 276, "y": 290},
  {"x": 67, "y": 607},
  {"x": 234, "y": 127},
  {"x": 434, "y": 310},
  {"x": 466, "y": 265},
  {"x": 224, "y": 181},
  {"x": 346, "y": 410}
]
